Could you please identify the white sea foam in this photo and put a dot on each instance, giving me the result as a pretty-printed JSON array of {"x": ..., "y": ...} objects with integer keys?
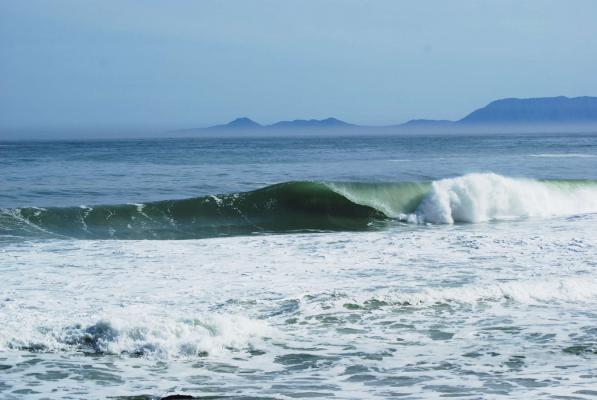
[
  {"x": 486, "y": 197},
  {"x": 134, "y": 331},
  {"x": 576, "y": 289},
  {"x": 225, "y": 313}
]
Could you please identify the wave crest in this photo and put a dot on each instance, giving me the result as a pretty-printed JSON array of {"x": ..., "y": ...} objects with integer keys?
[
  {"x": 487, "y": 197},
  {"x": 137, "y": 335},
  {"x": 310, "y": 206}
]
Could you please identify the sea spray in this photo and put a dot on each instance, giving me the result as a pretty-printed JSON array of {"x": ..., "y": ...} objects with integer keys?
[
  {"x": 487, "y": 197},
  {"x": 136, "y": 331}
]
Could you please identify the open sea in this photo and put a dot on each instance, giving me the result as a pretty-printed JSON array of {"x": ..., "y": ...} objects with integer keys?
[{"x": 347, "y": 267}]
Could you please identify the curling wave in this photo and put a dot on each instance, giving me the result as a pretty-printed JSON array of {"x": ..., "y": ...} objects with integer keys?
[
  {"x": 311, "y": 206},
  {"x": 487, "y": 197}
]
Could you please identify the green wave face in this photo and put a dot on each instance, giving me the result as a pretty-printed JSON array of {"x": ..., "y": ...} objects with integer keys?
[
  {"x": 285, "y": 207},
  {"x": 394, "y": 200},
  {"x": 311, "y": 206}
]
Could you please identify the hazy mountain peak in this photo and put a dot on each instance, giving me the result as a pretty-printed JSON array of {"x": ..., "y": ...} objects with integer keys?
[
  {"x": 515, "y": 112},
  {"x": 312, "y": 123},
  {"x": 541, "y": 110},
  {"x": 242, "y": 122}
]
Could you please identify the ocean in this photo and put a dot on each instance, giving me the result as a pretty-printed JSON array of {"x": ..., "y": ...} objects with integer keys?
[{"x": 348, "y": 267}]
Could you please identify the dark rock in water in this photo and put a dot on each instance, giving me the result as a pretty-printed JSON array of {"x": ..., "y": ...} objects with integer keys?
[{"x": 178, "y": 397}]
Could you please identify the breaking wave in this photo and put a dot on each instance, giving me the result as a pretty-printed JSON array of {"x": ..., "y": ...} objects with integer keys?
[
  {"x": 137, "y": 336},
  {"x": 487, "y": 197},
  {"x": 311, "y": 206}
]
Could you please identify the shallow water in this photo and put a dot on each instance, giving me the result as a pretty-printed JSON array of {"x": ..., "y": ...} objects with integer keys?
[{"x": 495, "y": 308}]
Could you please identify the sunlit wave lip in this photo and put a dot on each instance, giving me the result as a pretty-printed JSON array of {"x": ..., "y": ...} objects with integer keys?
[
  {"x": 482, "y": 197},
  {"x": 308, "y": 206},
  {"x": 476, "y": 197}
]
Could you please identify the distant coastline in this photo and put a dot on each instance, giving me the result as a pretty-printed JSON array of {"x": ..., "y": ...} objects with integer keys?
[{"x": 576, "y": 113}]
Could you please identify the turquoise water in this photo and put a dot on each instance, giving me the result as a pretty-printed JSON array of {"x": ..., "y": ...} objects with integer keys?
[{"x": 299, "y": 267}]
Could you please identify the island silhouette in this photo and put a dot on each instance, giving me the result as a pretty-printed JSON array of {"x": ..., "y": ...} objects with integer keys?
[{"x": 575, "y": 113}]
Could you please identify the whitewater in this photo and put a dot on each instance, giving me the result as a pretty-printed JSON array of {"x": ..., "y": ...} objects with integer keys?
[
  {"x": 221, "y": 269},
  {"x": 478, "y": 197},
  {"x": 502, "y": 310}
]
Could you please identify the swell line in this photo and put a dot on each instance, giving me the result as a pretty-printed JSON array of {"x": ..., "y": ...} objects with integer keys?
[{"x": 311, "y": 206}]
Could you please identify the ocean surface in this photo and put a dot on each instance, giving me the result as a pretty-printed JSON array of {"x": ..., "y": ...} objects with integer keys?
[{"x": 357, "y": 267}]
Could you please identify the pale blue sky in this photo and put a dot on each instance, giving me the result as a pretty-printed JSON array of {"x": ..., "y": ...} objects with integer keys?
[{"x": 161, "y": 65}]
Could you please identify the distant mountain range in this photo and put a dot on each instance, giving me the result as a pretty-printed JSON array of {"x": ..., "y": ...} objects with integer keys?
[
  {"x": 246, "y": 123},
  {"x": 546, "y": 111}
]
